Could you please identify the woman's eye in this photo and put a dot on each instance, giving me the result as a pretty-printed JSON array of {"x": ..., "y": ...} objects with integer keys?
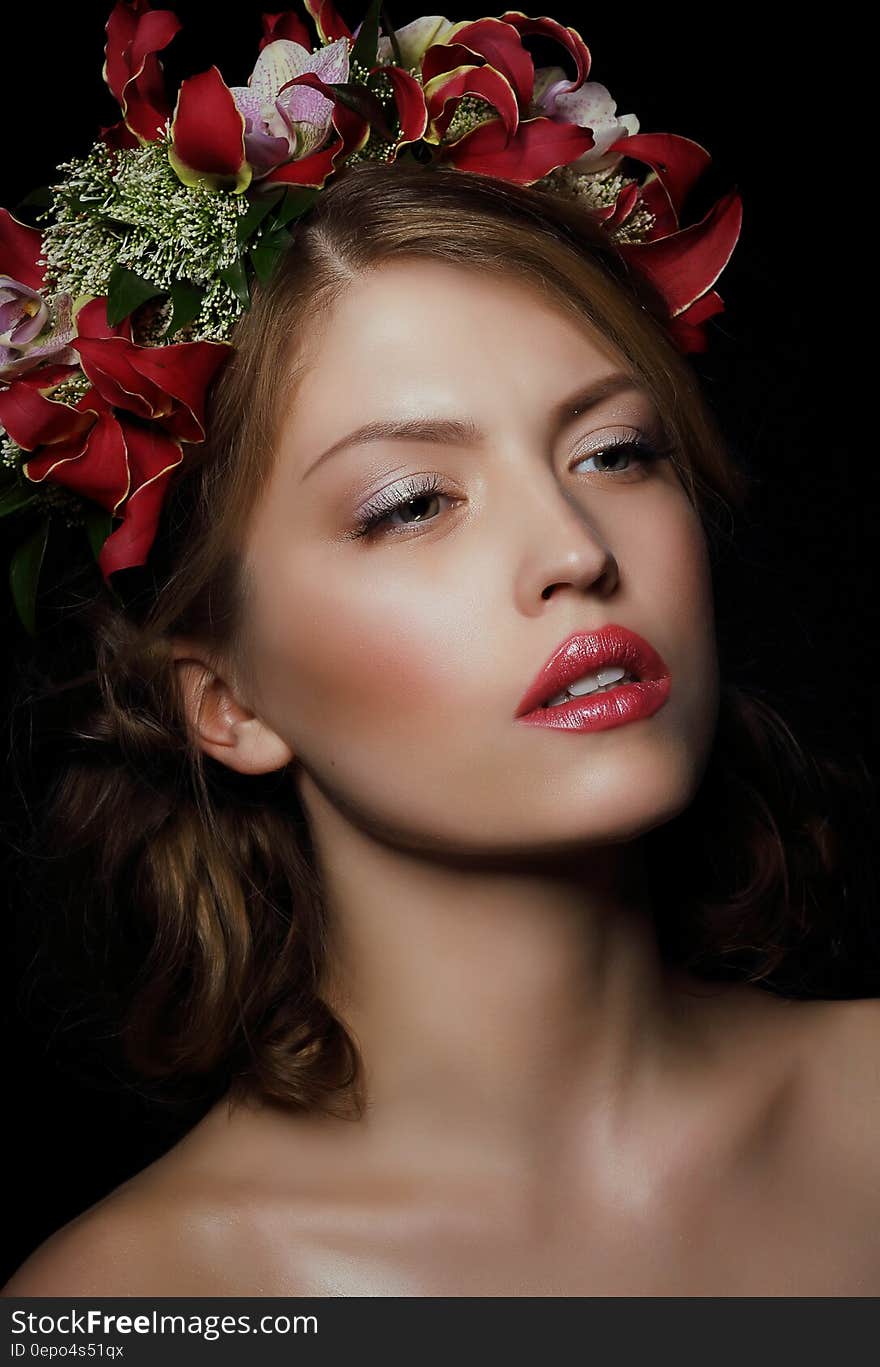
[
  {"x": 416, "y": 503},
  {"x": 630, "y": 452}
]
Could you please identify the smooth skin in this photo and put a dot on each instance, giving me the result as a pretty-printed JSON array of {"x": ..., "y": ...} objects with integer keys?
[{"x": 551, "y": 1112}]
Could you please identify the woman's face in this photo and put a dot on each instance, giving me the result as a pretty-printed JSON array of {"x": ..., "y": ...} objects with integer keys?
[{"x": 392, "y": 663}]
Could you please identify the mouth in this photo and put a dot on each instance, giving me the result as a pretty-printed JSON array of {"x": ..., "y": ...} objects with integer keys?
[
  {"x": 588, "y": 668},
  {"x": 601, "y": 681}
]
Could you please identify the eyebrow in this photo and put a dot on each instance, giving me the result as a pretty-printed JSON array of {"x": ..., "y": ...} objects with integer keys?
[{"x": 455, "y": 431}]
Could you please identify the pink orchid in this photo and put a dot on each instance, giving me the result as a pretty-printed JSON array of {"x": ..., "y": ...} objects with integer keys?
[
  {"x": 31, "y": 331},
  {"x": 284, "y": 121},
  {"x": 33, "y": 327}
]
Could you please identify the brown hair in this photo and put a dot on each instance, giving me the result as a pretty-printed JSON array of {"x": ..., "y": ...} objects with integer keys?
[{"x": 196, "y": 893}]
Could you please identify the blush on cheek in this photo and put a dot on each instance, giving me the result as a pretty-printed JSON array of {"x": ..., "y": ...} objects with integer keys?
[
  {"x": 395, "y": 670},
  {"x": 349, "y": 674}
]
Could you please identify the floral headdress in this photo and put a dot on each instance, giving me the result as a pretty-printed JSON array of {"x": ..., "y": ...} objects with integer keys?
[{"x": 115, "y": 318}]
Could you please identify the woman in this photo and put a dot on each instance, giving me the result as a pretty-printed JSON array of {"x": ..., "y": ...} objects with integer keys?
[{"x": 420, "y": 924}]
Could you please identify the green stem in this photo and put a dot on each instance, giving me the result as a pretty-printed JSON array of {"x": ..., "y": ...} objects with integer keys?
[{"x": 395, "y": 46}]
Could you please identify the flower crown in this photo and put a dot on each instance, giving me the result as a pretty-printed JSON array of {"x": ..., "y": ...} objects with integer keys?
[{"x": 115, "y": 318}]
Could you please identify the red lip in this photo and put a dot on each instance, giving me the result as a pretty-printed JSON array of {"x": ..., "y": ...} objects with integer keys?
[{"x": 584, "y": 653}]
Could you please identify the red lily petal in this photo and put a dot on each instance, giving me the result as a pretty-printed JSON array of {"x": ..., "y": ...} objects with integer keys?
[
  {"x": 183, "y": 371},
  {"x": 312, "y": 170},
  {"x": 623, "y": 205},
  {"x": 655, "y": 198},
  {"x": 684, "y": 265},
  {"x": 91, "y": 321},
  {"x": 443, "y": 93},
  {"x": 96, "y": 468},
  {"x": 207, "y": 134},
  {"x": 329, "y": 23},
  {"x": 570, "y": 39},
  {"x": 440, "y": 57},
  {"x": 107, "y": 362},
  {"x": 65, "y": 453},
  {"x": 152, "y": 458},
  {"x": 150, "y": 382},
  {"x": 119, "y": 137},
  {"x": 286, "y": 25},
  {"x": 311, "y": 78},
  {"x": 20, "y": 246},
  {"x": 120, "y": 29},
  {"x": 47, "y": 377},
  {"x": 409, "y": 99},
  {"x": 537, "y": 146},
  {"x": 498, "y": 43},
  {"x": 679, "y": 162},
  {"x": 33, "y": 420},
  {"x": 686, "y": 328},
  {"x": 135, "y": 33}
]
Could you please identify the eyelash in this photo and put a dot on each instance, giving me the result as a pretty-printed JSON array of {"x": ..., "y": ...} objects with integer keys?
[{"x": 387, "y": 502}]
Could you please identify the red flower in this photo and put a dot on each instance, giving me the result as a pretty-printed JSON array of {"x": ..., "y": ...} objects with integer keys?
[
  {"x": 682, "y": 263},
  {"x": 20, "y": 251},
  {"x": 287, "y": 25},
  {"x": 120, "y": 442},
  {"x": 486, "y": 59},
  {"x": 207, "y": 135},
  {"x": 135, "y": 33},
  {"x": 329, "y": 23}
]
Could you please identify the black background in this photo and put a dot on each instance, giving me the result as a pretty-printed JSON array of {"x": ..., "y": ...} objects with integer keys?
[{"x": 766, "y": 95}]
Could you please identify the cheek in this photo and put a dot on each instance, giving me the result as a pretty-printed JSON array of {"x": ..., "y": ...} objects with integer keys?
[
  {"x": 677, "y": 573},
  {"x": 672, "y": 555},
  {"x": 352, "y": 654},
  {"x": 687, "y": 592}
]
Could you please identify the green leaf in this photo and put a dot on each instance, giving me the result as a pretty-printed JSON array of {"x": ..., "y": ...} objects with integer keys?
[
  {"x": 294, "y": 204},
  {"x": 257, "y": 211},
  {"x": 14, "y": 498},
  {"x": 186, "y": 304},
  {"x": 366, "y": 48},
  {"x": 266, "y": 254},
  {"x": 37, "y": 199},
  {"x": 99, "y": 525},
  {"x": 236, "y": 278},
  {"x": 24, "y": 574},
  {"x": 126, "y": 292}
]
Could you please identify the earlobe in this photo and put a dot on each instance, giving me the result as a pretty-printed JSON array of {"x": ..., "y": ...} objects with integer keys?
[{"x": 223, "y": 726}]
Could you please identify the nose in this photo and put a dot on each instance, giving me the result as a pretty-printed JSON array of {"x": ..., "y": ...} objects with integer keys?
[{"x": 564, "y": 550}]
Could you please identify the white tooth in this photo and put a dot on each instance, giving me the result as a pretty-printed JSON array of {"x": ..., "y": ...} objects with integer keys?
[{"x": 588, "y": 684}]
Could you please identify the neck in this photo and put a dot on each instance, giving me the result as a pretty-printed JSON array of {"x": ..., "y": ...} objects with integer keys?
[{"x": 496, "y": 1002}]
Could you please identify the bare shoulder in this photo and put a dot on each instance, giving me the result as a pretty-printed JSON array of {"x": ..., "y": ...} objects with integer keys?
[
  {"x": 103, "y": 1252},
  {"x": 173, "y": 1229},
  {"x": 833, "y": 1045},
  {"x": 813, "y": 1069},
  {"x": 149, "y": 1237},
  {"x": 843, "y": 1057},
  {"x": 839, "y": 1092}
]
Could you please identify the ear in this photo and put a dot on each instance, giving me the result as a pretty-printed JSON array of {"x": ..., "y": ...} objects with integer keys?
[{"x": 225, "y": 728}]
